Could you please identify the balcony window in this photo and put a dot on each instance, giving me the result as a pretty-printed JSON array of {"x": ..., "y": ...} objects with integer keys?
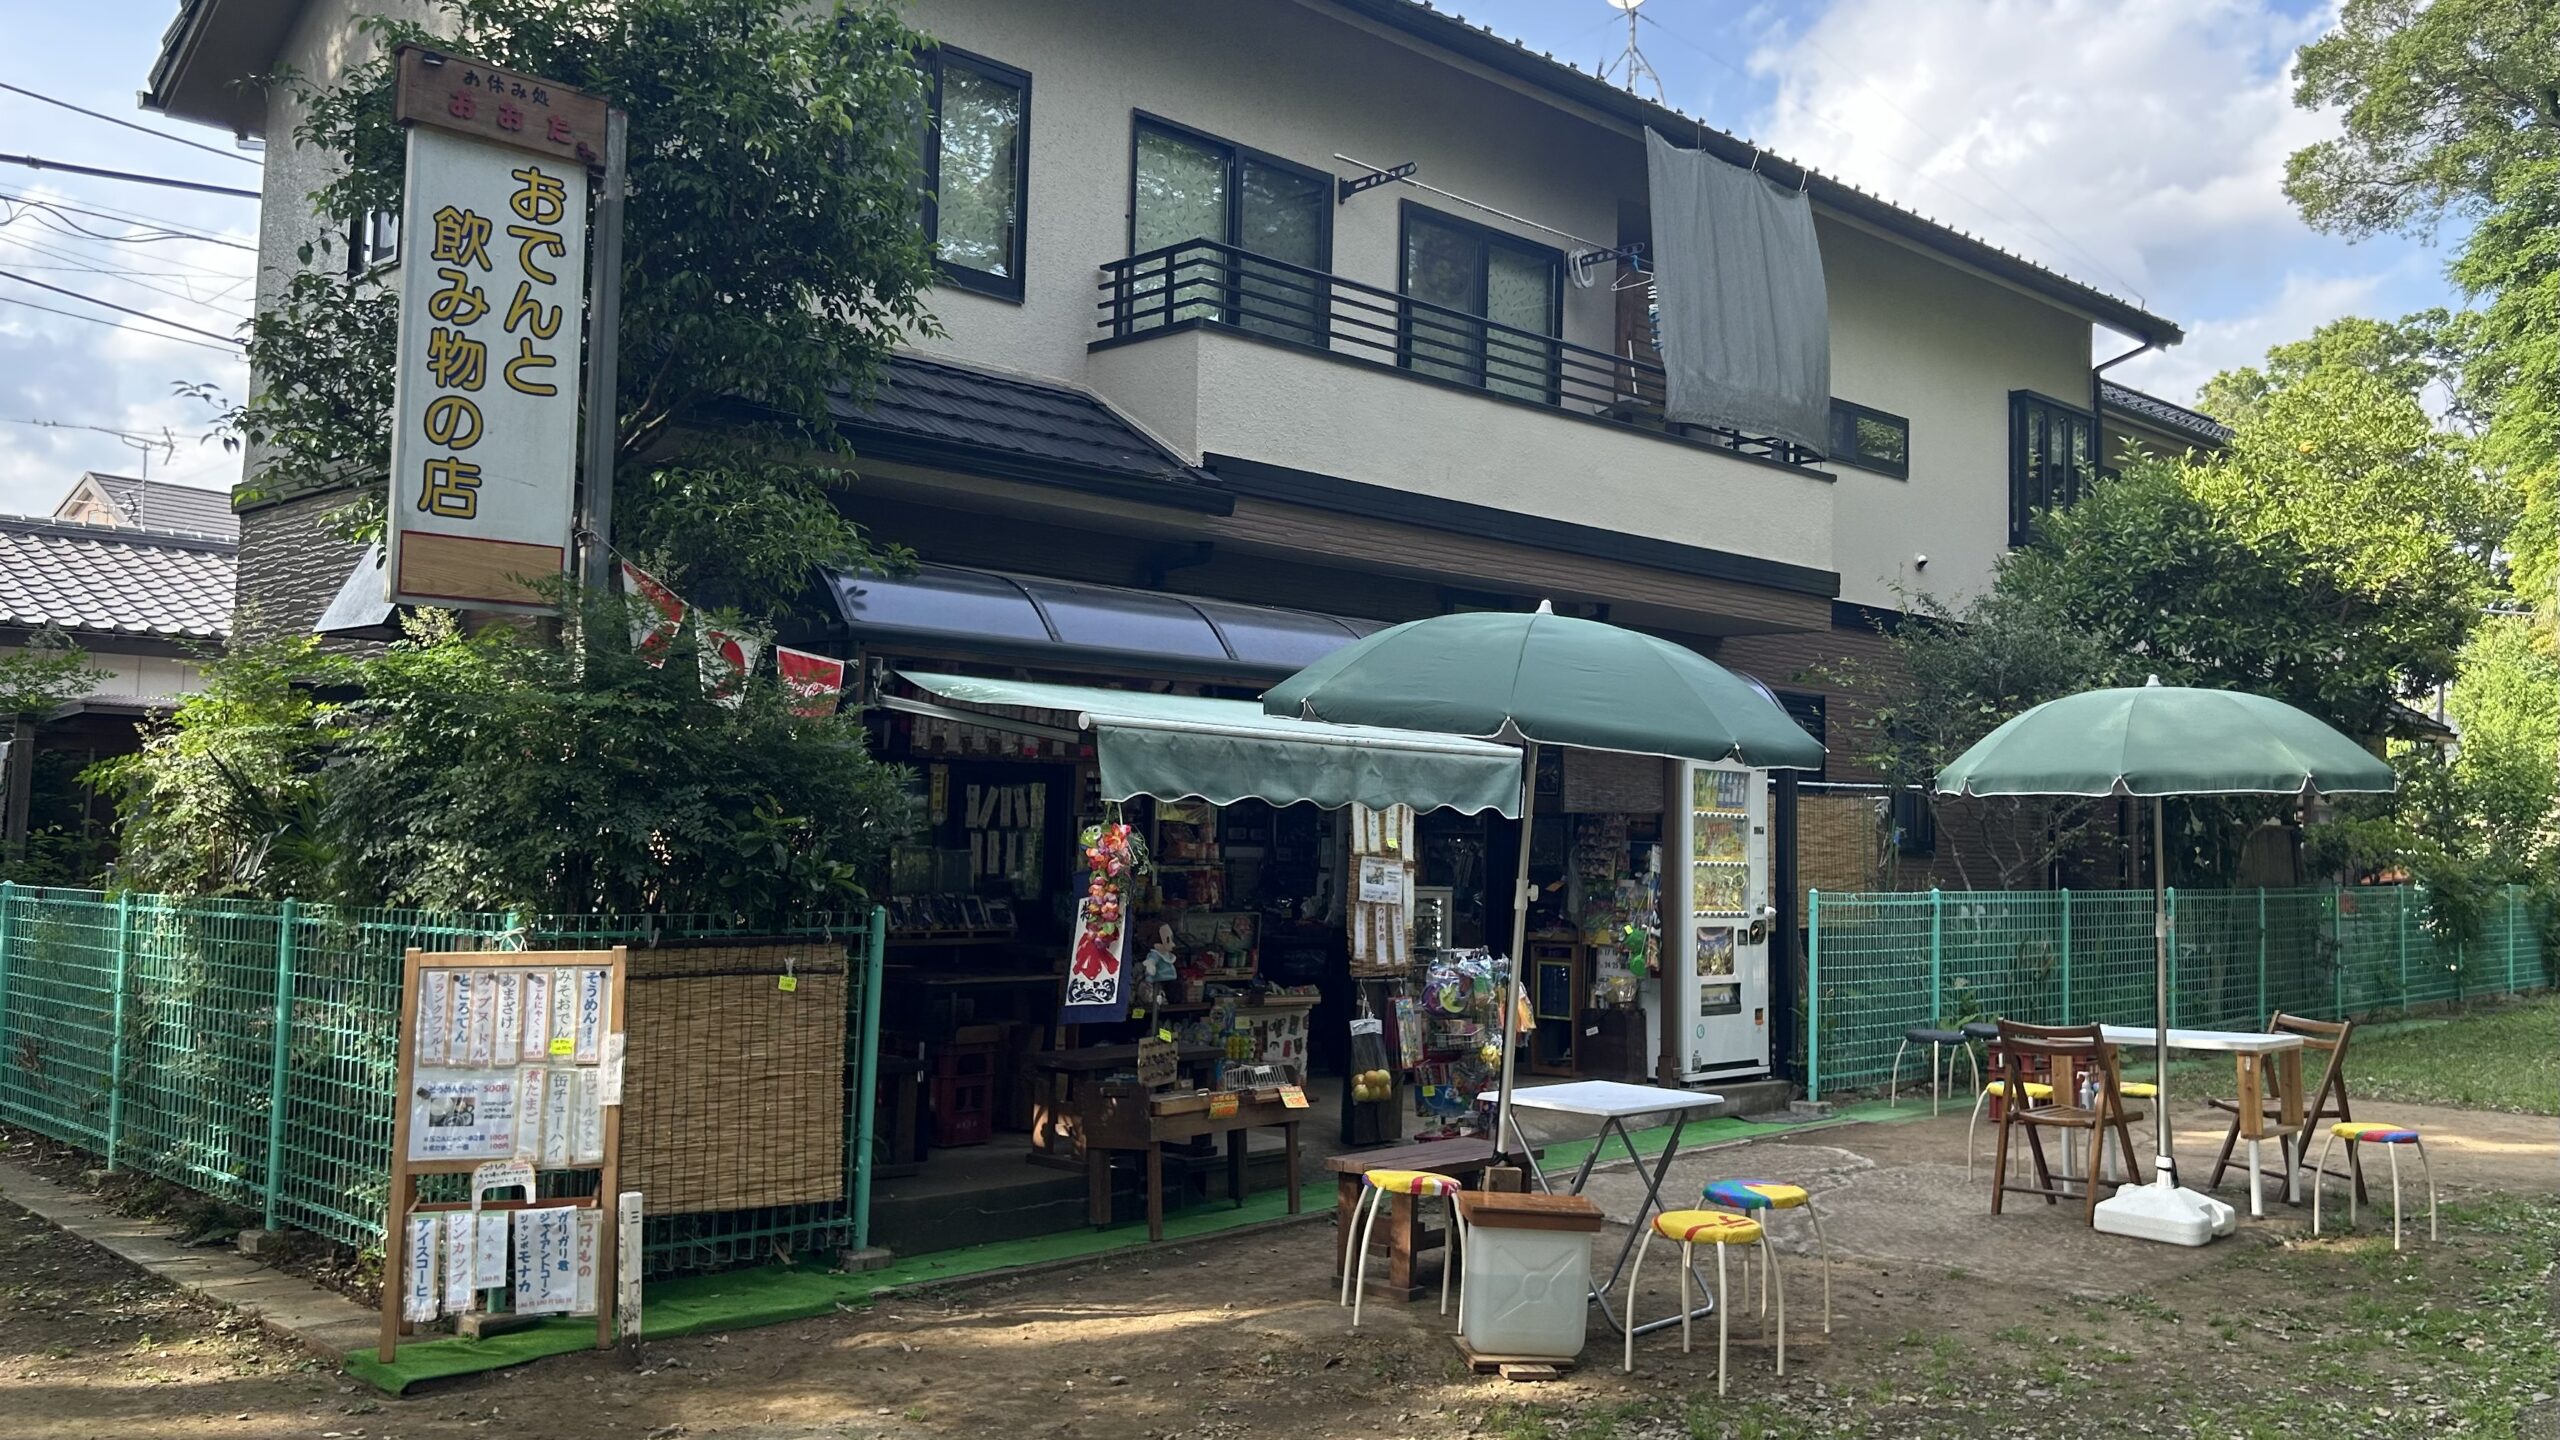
[
  {"x": 977, "y": 165},
  {"x": 1467, "y": 275},
  {"x": 1870, "y": 440},
  {"x": 2049, "y": 458},
  {"x": 1187, "y": 186}
]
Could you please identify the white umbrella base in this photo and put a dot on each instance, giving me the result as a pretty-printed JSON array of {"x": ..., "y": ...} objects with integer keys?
[{"x": 2165, "y": 1213}]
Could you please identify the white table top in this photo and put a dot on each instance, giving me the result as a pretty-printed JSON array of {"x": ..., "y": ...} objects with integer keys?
[
  {"x": 1605, "y": 1099},
  {"x": 2237, "y": 1042}
]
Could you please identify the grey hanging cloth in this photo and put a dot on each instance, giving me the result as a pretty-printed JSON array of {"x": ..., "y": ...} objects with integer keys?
[{"x": 1746, "y": 323}]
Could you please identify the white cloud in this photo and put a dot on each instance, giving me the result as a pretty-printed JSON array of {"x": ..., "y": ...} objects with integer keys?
[
  {"x": 2303, "y": 304},
  {"x": 2126, "y": 145}
]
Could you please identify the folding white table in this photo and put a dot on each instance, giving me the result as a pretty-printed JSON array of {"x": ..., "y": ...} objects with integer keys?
[
  {"x": 1613, "y": 1104},
  {"x": 2251, "y": 1050}
]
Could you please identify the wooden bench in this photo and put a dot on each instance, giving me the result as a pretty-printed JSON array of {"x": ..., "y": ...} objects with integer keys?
[{"x": 1406, "y": 1237}]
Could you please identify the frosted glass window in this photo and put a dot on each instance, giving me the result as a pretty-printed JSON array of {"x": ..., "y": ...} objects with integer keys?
[{"x": 977, "y": 163}]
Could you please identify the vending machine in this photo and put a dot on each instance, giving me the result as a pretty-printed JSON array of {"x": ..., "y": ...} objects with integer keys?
[{"x": 1716, "y": 980}]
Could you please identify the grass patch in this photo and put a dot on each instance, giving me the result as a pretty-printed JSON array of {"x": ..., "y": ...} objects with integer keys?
[{"x": 2500, "y": 1057}]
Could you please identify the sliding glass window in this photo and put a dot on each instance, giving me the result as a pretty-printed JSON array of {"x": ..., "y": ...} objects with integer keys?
[
  {"x": 1268, "y": 223},
  {"x": 1467, "y": 275},
  {"x": 977, "y": 166}
]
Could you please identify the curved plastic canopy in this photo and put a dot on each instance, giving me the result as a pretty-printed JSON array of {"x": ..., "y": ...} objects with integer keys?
[{"x": 1178, "y": 747}]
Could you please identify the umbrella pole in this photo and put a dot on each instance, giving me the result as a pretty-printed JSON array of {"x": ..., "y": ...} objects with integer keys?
[
  {"x": 1519, "y": 946},
  {"x": 2164, "y": 1166}
]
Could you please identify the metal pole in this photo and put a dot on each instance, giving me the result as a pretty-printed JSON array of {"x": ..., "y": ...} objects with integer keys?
[
  {"x": 874, "y": 949},
  {"x": 115, "y": 1020},
  {"x": 286, "y": 920},
  {"x": 2169, "y": 913},
  {"x": 1937, "y": 954},
  {"x": 2065, "y": 1017},
  {"x": 1519, "y": 943},
  {"x": 2338, "y": 945},
  {"x": 2402, "y": 928},
  {"x": 2514, "y": 921},
  {"x": 1812, "y": 994},
  {"x": 604, "y": 345},
  {"x": 9, "y": 955},
  {"x": 2165, "y": 1166},
  {"x": 2262, "y": 952}
]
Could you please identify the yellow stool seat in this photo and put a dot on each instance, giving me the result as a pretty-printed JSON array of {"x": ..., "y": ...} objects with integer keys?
[
  {"x": 2139, "y": 1090},
  {"x": 2035, "y": 1089},
  {"x": 2372, "y": 1133},
  {"x": 1705, "y": 1227},
  {"x": 1413, "y": 1182}
]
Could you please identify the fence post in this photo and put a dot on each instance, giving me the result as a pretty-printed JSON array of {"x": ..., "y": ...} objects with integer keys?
[
  {"x": 2515, "y": 923},
  {"x": 115, "y": 1022},
  {"x": 9, "y": 955},
  {"x": 1937, "y": 959},
  {"x": 2403, "y": 937},
  {"x": 1813, "y": 995},
  {"x": 2338, "y": 946},
  {"x": 2262, "y": 952},
  {"x": 276, "y": 1068},
  {"x": 874, "y": 950},
  {"x": 2170, "y": 920},
  {"x": 2065, "y": 1017}
]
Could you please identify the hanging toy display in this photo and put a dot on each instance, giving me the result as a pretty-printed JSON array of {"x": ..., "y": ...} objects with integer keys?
[{"x": 1098, "y": 988}]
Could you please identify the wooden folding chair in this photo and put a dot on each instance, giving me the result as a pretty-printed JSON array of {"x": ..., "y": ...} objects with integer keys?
[
  {"x": 2070, "y": 1054},
  {"x": 2327, "y": 1103}
]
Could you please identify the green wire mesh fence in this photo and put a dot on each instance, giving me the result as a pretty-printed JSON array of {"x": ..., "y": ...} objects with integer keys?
[
  {"x": 244, "y": 1049},
  {"x": 1879, "y": 964}
]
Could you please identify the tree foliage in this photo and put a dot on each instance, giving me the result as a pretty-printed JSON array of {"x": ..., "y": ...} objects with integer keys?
[
  {"x": 771, "y": 260},
  {"x": 43, "y": 673}
]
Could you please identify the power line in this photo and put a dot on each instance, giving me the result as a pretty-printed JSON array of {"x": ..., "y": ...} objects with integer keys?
[
  {"x": 128, "y": 124},
  {"x": 128, "y": 276},
  {"x": 33, "y": 162},
  {"x": 126, "y": 309},
  {"x": 174, "y": 230},
  {"x": 115, "y": 325}
]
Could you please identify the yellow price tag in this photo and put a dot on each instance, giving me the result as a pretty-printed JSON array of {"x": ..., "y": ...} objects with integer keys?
[
  {"x": 786, "y": 982},
  {"x": 1223, "y": 1104},
  {"x": 1165, "y": 1034},
  {"x": 564, "y": 1046},
  {"x": 1293, "y": 1098}
]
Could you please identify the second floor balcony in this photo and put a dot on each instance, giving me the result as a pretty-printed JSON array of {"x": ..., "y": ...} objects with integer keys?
[{"x": 1207, "y": 284}]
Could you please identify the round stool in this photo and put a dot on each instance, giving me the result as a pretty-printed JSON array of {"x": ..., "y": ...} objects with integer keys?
[
  {"x": 1383, "y": 1186},
  {"x": 1753, "y": 1196},
  {"x": 2391, "y": 1137},
  {"x": 1693, "y": 1228},
  {"x": 2036, "y": 1092},
  {"x": 1937, "y": 1040}
]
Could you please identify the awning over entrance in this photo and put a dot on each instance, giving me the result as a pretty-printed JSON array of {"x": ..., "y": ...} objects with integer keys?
[{"x": 1181, "y": 746}]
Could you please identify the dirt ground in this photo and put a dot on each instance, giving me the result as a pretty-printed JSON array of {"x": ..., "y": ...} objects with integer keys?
[{"x": 1947, "y": 1322}]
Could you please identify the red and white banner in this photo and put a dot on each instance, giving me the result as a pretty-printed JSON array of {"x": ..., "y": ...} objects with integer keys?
[
  {"x": 652, "y": 638},
  {"x": 812, "y": 681},
  {"x": 727, "y": 656}
]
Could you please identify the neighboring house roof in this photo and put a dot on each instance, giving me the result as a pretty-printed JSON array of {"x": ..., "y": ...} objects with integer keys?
[
  {"x": 976, "y": 421},
  {"x": 213, "y": 45},
  {"x": 2167, "y": 415},
  {"x": 152, "y": 505},
  {"x": 105, "y": 580}
]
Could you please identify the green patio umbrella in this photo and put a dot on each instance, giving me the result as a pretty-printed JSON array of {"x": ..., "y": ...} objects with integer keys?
[
  {"x": 2157, "y": 740},
  {"x": 1545, "y": 679}
]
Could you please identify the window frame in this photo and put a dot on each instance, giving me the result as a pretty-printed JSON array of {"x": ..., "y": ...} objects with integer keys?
[
  {"x": 1485, "y": 236},
  {"x": 1319, "y": 299},
  {"x": 965, "y": 277},
  {"x": 1854, "y": 412},
  {"x": 2029, "y": 496}
]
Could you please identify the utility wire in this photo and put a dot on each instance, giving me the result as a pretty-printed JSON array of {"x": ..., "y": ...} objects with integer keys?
[
  {"x": 174, "y": 231},
  {"x": 128, "y": 124},
  {"x": 127, "y": 309},
  {"x": 181, "y": 291},
  {"x": 115, "y": 325},
  {"x": 33, "y": 162}
]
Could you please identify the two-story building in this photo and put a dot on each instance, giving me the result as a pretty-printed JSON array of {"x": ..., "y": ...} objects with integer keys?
[{"x": 1204, "y": 410}]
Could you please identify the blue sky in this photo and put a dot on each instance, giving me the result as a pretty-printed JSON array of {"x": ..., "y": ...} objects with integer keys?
[{"x": 2136, "y": 145}]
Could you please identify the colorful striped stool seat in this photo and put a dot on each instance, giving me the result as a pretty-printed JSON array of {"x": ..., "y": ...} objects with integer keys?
[
  {"x": 1413, "y": 1182},
  {"x": 1705, "y": 1227},
  {"x": 2391, "y": 1137},
  {"x": 1755, "y": 1195}
]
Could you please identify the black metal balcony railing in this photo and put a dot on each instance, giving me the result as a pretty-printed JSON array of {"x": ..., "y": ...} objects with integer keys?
[{"x": 1205, "y": 283}]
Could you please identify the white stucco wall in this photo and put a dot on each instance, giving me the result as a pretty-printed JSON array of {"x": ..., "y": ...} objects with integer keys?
[
  {"x": 1943, "y": 348},
  {"x": 138, "y": 677}
]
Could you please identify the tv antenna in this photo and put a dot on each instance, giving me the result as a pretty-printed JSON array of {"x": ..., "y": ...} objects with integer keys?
[{"x": 1634, "y": 71}]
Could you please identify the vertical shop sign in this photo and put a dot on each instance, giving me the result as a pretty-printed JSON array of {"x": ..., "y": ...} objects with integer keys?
[{"x": 484, "y": 449}]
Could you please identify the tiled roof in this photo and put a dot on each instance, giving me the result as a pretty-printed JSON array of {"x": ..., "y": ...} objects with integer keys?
[
  {"x": 962, "y": 413},
  {"x": 158, "y": 505},
  {"x": 2163, "y": 413},
  {"x": 112, "y": 580}
]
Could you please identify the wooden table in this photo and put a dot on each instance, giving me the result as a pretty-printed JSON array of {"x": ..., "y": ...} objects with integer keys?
[
  {"x": 1064, "y": 1074},
  {"x": 1114, "y": 1120},
  {"x": 2252, "y": 1050},
  {"x": 1461, "y": 1160}
]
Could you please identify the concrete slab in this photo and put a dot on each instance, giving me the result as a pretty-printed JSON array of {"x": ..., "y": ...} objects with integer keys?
[{"x": 286, "y": 1306}]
